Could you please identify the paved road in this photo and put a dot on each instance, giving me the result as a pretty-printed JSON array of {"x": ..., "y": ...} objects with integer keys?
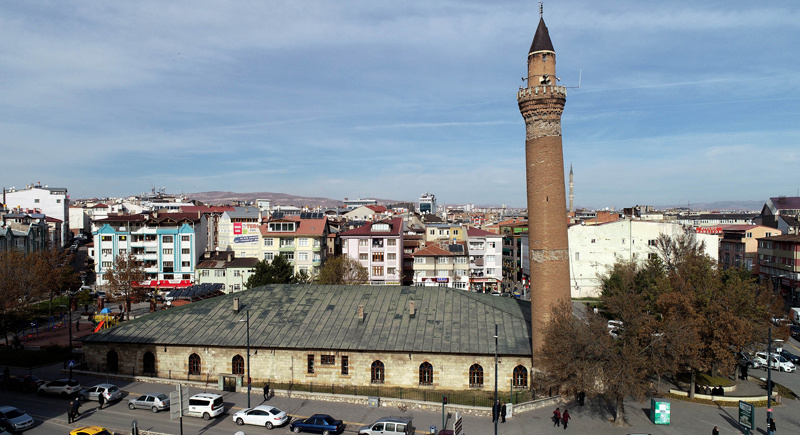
[{"x": 50, "y": 414}]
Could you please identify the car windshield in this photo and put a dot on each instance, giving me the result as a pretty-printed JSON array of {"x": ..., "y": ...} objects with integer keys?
[
  {"x": 781, "y": 358},
  {"x": 14, "y": 413}
]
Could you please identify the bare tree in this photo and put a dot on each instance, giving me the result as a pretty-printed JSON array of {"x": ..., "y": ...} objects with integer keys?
[
  {"x": 17, "y": 289},
  {"x": 55, "y": 273},
  {"x": 125, "y": 271}
]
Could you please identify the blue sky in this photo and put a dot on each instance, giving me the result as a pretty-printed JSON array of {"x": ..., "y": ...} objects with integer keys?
[{"x": 680, "y": 101}]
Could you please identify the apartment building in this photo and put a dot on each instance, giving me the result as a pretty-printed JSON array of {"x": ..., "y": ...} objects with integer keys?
[
  {"x": 779, "y": 263},
  {"x": 301, "y": 241},
  {"x": 53, "y": 202},
  {"x": 442, "y": 265},
  {"x": 224, "y": 268},
  {"x": 168, "y": 244},
  {"x": 485, "y": 259},
  {"x": 239, "y": 230},
  {"x": 738, "y": 245},
  {"x": 378, "y": 246}
]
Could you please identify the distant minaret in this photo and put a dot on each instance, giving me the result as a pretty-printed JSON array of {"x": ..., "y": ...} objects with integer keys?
[
  {"x": 571, "y": 190},
  {"x": 541, "y": 104}
]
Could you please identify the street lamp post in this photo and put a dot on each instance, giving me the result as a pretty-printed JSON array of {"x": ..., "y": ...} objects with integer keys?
[
  {"x": 494, "y": 404},
  {"x": 248, "y": 356},
  {"x": 769, "y": 383}
]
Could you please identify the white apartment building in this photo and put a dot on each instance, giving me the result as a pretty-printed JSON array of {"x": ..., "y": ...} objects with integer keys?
[
  {"x": 53, "y": 202},
  {"x": 378, "y": 246},
  {"x": 485, "y": 259},
  {"x": 239, "y": 231},
  {"x": 593, "y": 249},
  {"x": 442, "y": 265}
]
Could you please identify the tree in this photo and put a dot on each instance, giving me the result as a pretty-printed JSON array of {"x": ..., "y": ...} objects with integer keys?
[
  {"x": 55, "y": 273},
  {"x": 125, "y": 271},
  {"x": 343, "y": 270},
  {"x": 277, "y": 271},
  {"x": 17, "y": 289}
]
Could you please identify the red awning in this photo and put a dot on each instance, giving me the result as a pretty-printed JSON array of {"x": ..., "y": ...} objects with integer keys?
[{"x": 164, "y": 283}]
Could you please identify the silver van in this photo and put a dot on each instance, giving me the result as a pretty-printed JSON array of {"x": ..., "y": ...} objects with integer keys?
[{"x": 389, "y": 426}]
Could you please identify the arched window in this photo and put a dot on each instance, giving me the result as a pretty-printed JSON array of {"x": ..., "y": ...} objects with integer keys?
[
  {"x": 194, "y": 364},
  {"x": 238, "y": 365},
  {"x": 476, "y": 376},
  {"x": 520, "y": 379},
  {"x": 377, "y": 372},
  {"x": 112, "y": 361},
  {"x": 149, "y": 363},
  {"x": 425, "y": 373}
]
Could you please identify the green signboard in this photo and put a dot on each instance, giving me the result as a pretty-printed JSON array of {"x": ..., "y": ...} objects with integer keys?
[
  {"x": 747, "y": 415},
  {"x": 659, "y": 412}
]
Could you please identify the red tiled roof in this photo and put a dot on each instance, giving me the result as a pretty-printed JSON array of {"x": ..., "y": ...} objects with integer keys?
[
  {"x": 432, "y": 251},
  {"x": 395, "y": 228},
  {"x": 787, "y": 202},
  {"x": 477, "y": 232},
  {"x": 377, "y": 208},
  {"x": 52, "y": 219},
  {"x": 101, "y": 205},
  {"x": 306, "y": 227}
]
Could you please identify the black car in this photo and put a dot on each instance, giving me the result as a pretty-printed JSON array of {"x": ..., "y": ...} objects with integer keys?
[
  {"x": 317, "y": 423},
  {"x": 795, "y": 331},
  {"x": 790, "y": 356}
]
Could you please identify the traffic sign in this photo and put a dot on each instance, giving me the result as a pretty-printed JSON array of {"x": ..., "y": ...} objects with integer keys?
[{"x": 71, "y": 363}]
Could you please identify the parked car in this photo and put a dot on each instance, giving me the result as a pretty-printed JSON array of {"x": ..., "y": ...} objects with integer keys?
[
  {"x": 749, "y": 360},
  {"x": 91, "y": 430},
  {"x": 24, "y": 383},
  {"x": 790, "y": 356},
  {"x": 776, "y": 361},
  {"x": 109, "y": 391},
  {"x": 318, "y": 423},
  {"x": 261, "y": 415},
  {"x": 388, "y": 426},
  {"x": 152, "y": 401},
  {"x": 14, "y": 420},
  {"x": 62, "y": 387},
  {"x": 205, "y": 405},
  {"x": 795, "y": 331}
]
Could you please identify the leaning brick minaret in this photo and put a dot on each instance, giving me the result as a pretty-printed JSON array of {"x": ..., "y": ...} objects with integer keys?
[{"x": 541, "y": 104}]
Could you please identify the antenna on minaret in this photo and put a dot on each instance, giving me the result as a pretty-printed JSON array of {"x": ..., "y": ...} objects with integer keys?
[
  {"x": 580, "y": 76},
  {"x": 541, "y": 10}
]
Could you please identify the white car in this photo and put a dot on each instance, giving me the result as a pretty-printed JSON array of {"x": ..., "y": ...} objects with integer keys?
[
  {"x": 261, "y": 415},
  {"x": 62, "y": 387},
  {"x": 776, "y": 362},
  {"x": 110, "y": 393}
]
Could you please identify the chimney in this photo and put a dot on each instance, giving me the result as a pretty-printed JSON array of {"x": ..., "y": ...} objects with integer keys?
[
  {"x": 360, "y": 313},
  {"x": 230, "y": 256},
  {"x": 236, "y": 306},
  {"x": 412, "y": 309}
]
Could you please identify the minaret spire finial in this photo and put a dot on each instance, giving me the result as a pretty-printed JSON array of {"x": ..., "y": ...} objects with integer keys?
[{"x": 541, "y": 10}]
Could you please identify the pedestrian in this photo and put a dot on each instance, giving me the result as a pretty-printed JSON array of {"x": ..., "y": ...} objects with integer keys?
[
  {"x": 503, "y": 413},
  {"x": 772, "y": 425},
  {"x": 495, "y": 411},
  {"x": 715, "y": 431},
  {"x": 565, "y": 418},
  {"x": 266, "y": 391},
  {"x": 556, "y": 417},
  {"x": 77, "y": 325},
  {"x": 744, "y": 372},
  {"x": 85, "y": 308},
  {"x": 581, "y": 398},
  {"x": 76, "y": 408},
  {"x": 71, "y": 411},
  {"x": 101, "y": 398}
]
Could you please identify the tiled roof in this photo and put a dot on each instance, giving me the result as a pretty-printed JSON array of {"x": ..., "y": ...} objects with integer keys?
[
  {"x": 377, "y": 208},
  {"x": 395, "y": 228},
  {"x": 206, "y": 209},
  {"x": 786, "y": 202},
  {"x": 305, "y": 227},
  {"x": 541, "y": 39},
  {"x": 432, "y": 251},
  {"x": 782, "y": 238},
  {"x": 477, "y": 232},
  {"x": 285, "y": 316}
]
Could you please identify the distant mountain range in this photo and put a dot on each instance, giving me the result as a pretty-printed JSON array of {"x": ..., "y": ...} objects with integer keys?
[{"x": 218, "y": 197}]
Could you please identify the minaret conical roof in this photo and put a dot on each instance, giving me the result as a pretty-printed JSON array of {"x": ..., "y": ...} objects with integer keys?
[{"x": 541, "y": 40}]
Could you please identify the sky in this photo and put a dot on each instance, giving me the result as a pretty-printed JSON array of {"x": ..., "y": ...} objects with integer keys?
[{"x": 679, "y": 102}]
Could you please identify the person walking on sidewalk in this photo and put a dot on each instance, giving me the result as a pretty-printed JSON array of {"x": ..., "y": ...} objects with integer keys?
[
  {"x": 565, "y": 418},
  {"x": 101, "y": 398},
  {"x": 503, "y": 413},
  {"x": 556, "y": 417},
  {"x": 266, "y": 391},
  {"x": 715, "y": 431},
  {"x": 70, "y": 411},
  {"x": 495, "y": 411}
]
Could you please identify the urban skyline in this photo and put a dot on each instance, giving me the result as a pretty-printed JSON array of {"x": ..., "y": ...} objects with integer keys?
[{"x": 390, "y": 101}]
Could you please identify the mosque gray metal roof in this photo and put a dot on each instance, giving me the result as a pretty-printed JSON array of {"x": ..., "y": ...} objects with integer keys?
[{"x": 326, "y": 317}]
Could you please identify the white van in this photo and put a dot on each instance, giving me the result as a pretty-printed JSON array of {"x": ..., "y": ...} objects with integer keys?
[{"x": 205, "y": 405}]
